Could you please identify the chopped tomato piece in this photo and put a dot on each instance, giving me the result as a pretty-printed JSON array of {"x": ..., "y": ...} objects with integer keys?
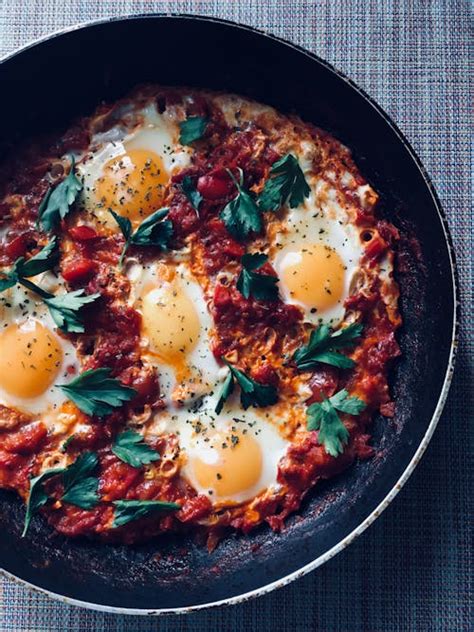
[
  {"x": 83, "y": 233},
  {"x": 195, "y": 509},
  {"x": 323, "y": 383},
  {"x": 266, "y": 374},
  {"x": 16, "y": 247},
  {"x": 375, "y": 247},
  {"x": 214, "y": 186},
  {"x": 78, "y": 270},
  {"x": 26, "y": 440},
  {"x": 116, "y": 479}
]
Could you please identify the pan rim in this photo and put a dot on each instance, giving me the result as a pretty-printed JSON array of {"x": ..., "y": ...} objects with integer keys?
[{"x": 322, "y": 559}]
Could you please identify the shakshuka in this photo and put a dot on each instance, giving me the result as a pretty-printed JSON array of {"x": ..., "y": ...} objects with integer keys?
[{"x": 198, "y": 314}]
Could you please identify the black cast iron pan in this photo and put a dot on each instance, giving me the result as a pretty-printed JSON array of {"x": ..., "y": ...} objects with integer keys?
[{"x": 44, "y": 87}]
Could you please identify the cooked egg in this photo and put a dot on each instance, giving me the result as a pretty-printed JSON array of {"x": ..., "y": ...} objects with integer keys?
[
  {"x": 34, "y": 356},
  {"x": 175, "y": 329},
  {"x": 316, "y": 256},
  {"x": 230, "y": 457},
  {"x": 131, "y": 165}
]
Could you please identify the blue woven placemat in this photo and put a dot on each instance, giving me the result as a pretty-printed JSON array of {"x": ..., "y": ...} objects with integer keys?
[{"x": 412, "y": 570}]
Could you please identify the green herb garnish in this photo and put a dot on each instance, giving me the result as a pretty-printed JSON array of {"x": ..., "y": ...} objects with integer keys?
[
  {"x": 263, "y": 287},
  {"x": 23, "y": 268},
  {"x": 130, "y": 447},
  {"x": 96, "y": 393},
  {"x": 65, "y": 308},
  {"x": 57, "y": 202},
  {"x": 252, "y": 393},
  {"x": 80, "y": 488},
  {"x": 286, "y": 184},
  {"x": 226, "y": 391},
  {"x": 191, "y": 192},
  {"x": 153, "y": 231},
  {"x": 241, "y": 215},
  {"x": 37, "y": 496},
  {"x": 322, "y": 347},
  {"x": 192, "y": 129},
  {"x": 322, "y": 416},
  {"x": 128, "y": 510},
  {"x": 44, "y": 260}
]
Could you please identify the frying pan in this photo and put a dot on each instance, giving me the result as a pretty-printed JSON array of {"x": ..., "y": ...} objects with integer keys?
[{"x": 44, "y": 86}]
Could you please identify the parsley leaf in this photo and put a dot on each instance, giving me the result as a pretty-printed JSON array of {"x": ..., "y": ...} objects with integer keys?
[
  {"x": 130, "y": 447},
  {"x": 65, "y": 309},
  {"x": 44, "y": 260},
  {"x": 37, "y": 497},
  {"x": 226, "y": 391},
  {"x": 124, "y": 224},
  {"x": 241, "y": 215},
  {"x": 192, "y": 129},
  {"x": 286, "y": 184},
  {"x": 57, "y": 202},
  {"x": 322, "y": 416},
  {"x": 84, "y": 494},
  {"x": 81, "y": 489},
  {"x": 96, "y": 393},
  {"x": 252, "y": 393},
  {"x": 322, "y": 347},
  {"x": 351, "y": 405},
  {"x": 153, "y": 231},
  {"x": 263, "y": 287},
  {"x": 191, "y": 192},
  {"x": 8, "y": 280},
  {"x": 128, "y": 510}
]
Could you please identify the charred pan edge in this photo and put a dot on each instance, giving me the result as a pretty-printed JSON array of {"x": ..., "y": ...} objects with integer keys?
[{"x": 449, "y": 369}]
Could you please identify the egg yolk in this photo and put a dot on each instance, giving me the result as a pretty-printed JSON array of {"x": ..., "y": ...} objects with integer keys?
[
  {"x": 313, "y": 276},
  {"x": 171, "y": 323},
  {"x": 229, "y": 465},
  {"x": 30, "y": 359},
  {"x": 133, "y": 184}
]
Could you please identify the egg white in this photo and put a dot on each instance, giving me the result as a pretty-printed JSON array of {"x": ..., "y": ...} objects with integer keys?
[
  {"x": 145, "y": 129},
  {"x": 201, "y": 364},
  {"x": 18, "y": 306},
  {"x": 319, "y": 220},
  {"x": 196, "y": 425}
]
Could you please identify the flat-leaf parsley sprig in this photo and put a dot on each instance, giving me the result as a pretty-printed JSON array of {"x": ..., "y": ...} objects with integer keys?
[
  {"x": 58, "y": 201},
  {"x": 263, "y": 287},
  {"x": 191, "y": 193},
  {"x": 80, "y": 487},
  {"x": 23, "y": 268},
  {"x": 192, "y": 129},
  {"x": 155, "y": 230},
  {"x": 65, "y": 309},
  {"x": 252, "y": 393},
  {"x": 286, "y": 185},
  {"x": 96, "y": 393},
  {"x": 241, "y": 215},
  {"x": 128, "y": 510},
  {"x": 322, "y": 416},
  {"x": 323, "y": 347},
  {"x": 130, "y": 447}
]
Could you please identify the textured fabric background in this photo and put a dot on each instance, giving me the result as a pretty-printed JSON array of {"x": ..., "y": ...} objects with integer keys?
[{"x": 412, "y": 570}]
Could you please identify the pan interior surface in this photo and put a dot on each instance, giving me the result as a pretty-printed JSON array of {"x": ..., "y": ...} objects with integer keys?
[{"x": 171, "y": 573}]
